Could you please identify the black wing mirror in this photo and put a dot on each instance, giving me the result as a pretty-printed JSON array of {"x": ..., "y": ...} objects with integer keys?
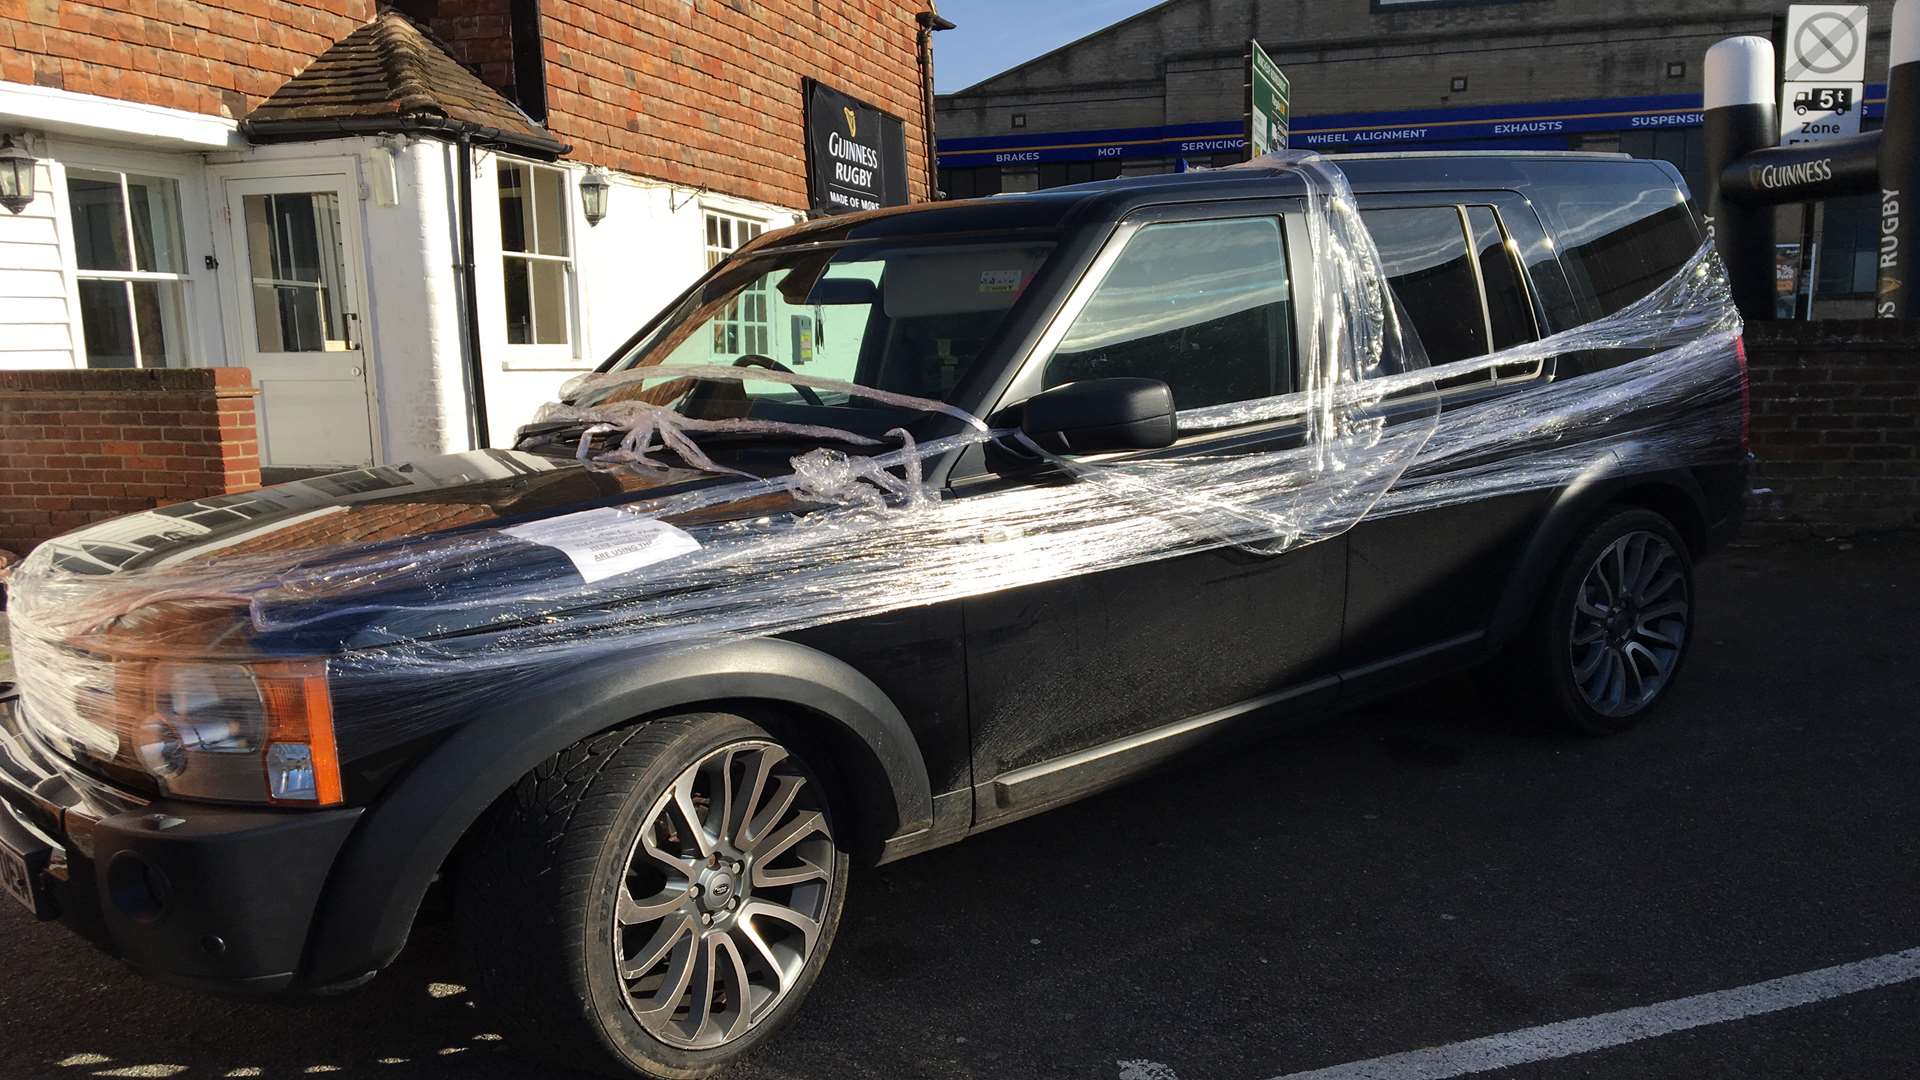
[{"x": 1097, "y": 415}]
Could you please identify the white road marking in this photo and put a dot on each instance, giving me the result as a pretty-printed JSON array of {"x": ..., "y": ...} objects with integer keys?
[{"x": 1570, "y": 1037}]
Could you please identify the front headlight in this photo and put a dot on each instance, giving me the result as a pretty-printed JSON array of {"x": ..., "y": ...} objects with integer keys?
[{"x": 239, "y": 733}]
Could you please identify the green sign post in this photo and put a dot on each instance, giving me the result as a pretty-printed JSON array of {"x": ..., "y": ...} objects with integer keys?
[{"x": 1268, "y": 111}]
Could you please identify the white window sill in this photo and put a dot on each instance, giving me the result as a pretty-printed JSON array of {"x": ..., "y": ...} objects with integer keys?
[{"x": 547, "y": 358}]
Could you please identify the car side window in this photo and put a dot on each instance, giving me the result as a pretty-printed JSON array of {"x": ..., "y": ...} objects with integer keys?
[
  {"x": 1509, "y": 311},
  {"x": 1622, "y": 236},
  {"x": 1204, "y": 306},
  {"x": 1424, "y": 255}
]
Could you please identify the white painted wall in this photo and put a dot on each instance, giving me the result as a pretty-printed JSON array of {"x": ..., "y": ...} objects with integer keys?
[{"x": 650, "y": 246}]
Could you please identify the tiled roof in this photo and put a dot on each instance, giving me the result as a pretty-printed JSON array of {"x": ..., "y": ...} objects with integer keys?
[{"x": 393, "y": 75}]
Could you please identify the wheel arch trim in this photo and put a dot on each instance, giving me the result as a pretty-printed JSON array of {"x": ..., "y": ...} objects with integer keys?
[
  {"x": 378, "y": 882},
  {"x": 1574, "y": 508}
]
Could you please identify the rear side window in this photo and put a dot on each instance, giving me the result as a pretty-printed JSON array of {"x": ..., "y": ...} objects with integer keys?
[
  {"x": 1509, "y": 313},
  {"x": 1204, "y": 306},
  {"x": 1509, "y": 310},
  {"x": 1459, "y": 282},
  {"x": 1621, "y": 235},
  {"x": 1423, "y": 251}
]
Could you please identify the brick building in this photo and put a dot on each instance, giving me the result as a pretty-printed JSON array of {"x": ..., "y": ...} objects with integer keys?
[
  {"x": 1165, "y": 88},
  {"x": 381, "y": 212}
]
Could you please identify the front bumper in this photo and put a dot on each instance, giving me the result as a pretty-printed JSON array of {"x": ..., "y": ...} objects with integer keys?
[{"x": 213, "y": 897}]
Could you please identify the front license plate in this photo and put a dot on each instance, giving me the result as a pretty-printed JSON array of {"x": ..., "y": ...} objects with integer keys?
[{"x": 16, "y": 876}]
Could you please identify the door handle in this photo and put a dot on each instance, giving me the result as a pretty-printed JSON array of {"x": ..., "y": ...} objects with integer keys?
[{"x": 352, "y": 325}]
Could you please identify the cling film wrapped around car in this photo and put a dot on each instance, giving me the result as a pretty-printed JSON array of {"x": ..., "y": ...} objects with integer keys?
[{"x": 642, "y": 525}]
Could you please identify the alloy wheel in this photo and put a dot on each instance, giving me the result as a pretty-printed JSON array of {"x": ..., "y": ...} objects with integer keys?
[
  {"x": 723, "y": 897},
  {"x": 1630, "y": 621}
]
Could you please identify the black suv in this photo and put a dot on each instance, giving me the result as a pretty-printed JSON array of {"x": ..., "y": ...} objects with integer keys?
[{"x": 253, "y": 731}]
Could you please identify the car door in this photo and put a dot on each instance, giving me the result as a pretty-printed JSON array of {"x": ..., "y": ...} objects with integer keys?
[
  {"x": 1421, "y": 586},
  {"x": 1078, "y": 682}
]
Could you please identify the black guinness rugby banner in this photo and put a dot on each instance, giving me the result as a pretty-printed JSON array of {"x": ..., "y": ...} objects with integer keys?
[{"x": 856, "y": 154}]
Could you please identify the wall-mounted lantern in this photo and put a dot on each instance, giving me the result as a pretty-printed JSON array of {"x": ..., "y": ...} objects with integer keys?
[
  {"x": 593, "y": 194},
  {"x": 16, "y": 175}
]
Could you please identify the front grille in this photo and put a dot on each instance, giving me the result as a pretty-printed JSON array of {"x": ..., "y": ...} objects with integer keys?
[{"x": 69, "y": 695}]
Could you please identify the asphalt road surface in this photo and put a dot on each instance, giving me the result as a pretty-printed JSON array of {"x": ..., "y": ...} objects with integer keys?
[{"x": 1404, "y": 878}]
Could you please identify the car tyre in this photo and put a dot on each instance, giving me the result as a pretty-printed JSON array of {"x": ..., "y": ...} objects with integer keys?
[
  {"x": 656, "y": 899},
  {"x": 1610, "y": 632}
]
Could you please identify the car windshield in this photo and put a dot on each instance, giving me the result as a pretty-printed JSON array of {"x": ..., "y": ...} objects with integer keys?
[{"x": 908, "y": 319}]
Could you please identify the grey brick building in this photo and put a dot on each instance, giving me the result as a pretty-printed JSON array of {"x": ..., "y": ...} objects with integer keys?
[{"x": 1163, "y": 90}]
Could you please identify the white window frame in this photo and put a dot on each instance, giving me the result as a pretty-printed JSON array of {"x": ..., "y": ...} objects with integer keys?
[
  {"x": 533, "y": 354},
  {"x": 739, "y": 229},
  {"x": 189, "y": 338}
]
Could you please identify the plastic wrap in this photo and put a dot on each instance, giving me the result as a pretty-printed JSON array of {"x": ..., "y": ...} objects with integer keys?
[{"x": 697, "y": 552}]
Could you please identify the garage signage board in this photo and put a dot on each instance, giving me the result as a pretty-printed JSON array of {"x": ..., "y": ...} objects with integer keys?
[
  {"x": 1824, "y": 61},
  {"x": 1269, "y": 108},
  {"x": 856, "y": 154}
]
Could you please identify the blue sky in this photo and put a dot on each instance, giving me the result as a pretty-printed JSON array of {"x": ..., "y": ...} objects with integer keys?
[{"x": 993, "y": 35}]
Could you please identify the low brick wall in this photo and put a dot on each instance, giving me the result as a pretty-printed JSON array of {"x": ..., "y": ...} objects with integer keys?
[
  {"x": 79, "y": 446},
  {"x": 1836, "y": 427}
]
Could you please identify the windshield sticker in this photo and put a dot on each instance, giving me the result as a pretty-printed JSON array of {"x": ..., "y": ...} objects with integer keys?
[
  {"x": 603, "y": 542},
  {"x": 1000, "y": 281}
]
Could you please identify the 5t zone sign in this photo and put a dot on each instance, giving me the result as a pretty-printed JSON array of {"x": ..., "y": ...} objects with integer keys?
[{"x": 1825, "y": 63}]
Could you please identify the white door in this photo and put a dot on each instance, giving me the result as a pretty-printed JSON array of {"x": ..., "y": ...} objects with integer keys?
[{"x": 294, "y": 243}]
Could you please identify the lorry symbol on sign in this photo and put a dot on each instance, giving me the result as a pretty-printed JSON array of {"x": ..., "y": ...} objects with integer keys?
[{"x": 1824, "y": 99}]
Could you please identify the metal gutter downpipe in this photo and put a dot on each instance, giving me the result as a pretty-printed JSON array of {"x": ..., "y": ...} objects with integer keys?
[
  {"x": 470, "y": 303},
  {"x": 929, "y": 21}
]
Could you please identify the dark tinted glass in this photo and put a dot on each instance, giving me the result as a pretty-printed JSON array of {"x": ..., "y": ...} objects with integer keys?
[
  {"x": 1061, "y": 173},
  {"x": 1203, "y": 306},
  {"x": 1508, "y": 311},
  {"x": 106, "y": 318},
  {"x": 1424, "y": 253},
  {"x": 99, "y": 222},
  {"x": 1621, "y": 235},
  {"x": 1849, "y": 247},
  {"x": 513, "y": 208},
  {"x": 970, "y": 183}
]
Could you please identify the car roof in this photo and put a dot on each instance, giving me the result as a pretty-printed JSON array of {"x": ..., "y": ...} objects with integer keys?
[{"x": 1062, "y": 208}]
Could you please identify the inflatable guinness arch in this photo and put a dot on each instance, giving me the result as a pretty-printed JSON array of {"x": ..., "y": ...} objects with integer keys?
[{"x": 1748, "y": 174}]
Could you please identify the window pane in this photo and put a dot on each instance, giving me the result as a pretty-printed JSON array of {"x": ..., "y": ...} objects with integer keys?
[
  {"x": 1620, "y": 238},
  {"x": 156, "y": 312},
  {"x": 291, "y": 318},
  {"x": 1507, "y": 306},
  {"x": 107, "y": 323},
  {"x": 156, "y": 224},
  {"x": 1849, "y": 244},
  {"x": 550, "y": 203},
  {"x": 1202, "y": 306},
  {"x": 513, "y": 207},
  {"x": 99, "y": 221},
  {"x": 549, "y": 281},
  {"x": 519, "y": 303},
  {"x": 293, "y": 255},
  {"x": 1424, "y": 254}
]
